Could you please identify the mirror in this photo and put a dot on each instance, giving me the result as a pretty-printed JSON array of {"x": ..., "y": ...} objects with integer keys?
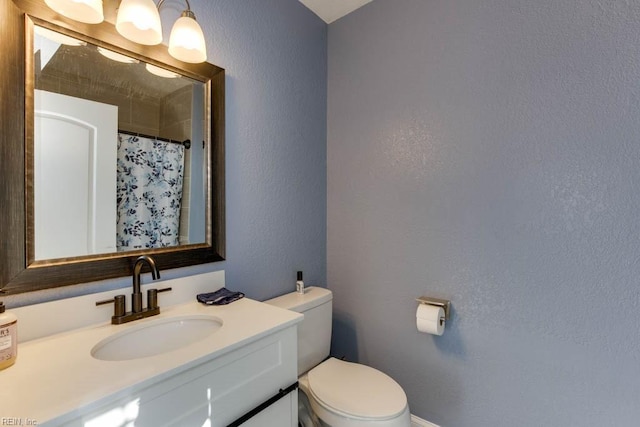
[
  {"x": 93, "y": 108},
  {"x": 116, "y": 134}
]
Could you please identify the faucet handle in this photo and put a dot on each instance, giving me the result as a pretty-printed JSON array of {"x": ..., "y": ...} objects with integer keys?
[
  {"x": 152, "y": 297},
  {"x": 118, "y": 305}
]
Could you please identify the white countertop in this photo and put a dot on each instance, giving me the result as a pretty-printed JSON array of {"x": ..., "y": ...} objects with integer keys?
[{"x": 55, "y": 376}]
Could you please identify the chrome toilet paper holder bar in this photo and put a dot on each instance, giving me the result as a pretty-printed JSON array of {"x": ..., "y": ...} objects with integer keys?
[{"x": 444, "y": 303}]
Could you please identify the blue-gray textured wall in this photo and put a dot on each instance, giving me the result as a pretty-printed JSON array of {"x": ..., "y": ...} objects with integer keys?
[
  {"x": 275, "y": 56},
  {"x": 488, "y": 151}
]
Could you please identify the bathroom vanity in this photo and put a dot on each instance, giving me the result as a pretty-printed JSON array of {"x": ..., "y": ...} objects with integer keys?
[{"x": 247, "y": 357}]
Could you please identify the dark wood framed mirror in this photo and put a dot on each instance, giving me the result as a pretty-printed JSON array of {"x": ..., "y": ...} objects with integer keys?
[{"x": 21, "y": 269}]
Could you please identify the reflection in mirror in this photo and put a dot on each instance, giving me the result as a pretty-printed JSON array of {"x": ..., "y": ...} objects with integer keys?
[{"x": 117, "y": 166}]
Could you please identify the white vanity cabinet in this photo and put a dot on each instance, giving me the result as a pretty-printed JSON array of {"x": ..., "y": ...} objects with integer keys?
[
  {"x": 212, "y": 392},
  {"x": 58, "y": 380}
]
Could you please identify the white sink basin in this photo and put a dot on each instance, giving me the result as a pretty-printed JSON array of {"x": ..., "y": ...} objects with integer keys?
[{"x": 156, "y": 337}]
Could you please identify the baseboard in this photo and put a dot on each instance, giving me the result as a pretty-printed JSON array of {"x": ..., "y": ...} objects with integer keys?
[{"x": 419, "y": 422}]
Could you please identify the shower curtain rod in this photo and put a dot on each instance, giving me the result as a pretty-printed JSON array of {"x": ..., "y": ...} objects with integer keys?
[{"x": 186, "y": 142}]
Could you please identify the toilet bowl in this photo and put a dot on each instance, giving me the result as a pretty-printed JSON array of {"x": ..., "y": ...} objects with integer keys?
[
  {"x": 344, "y": 394},
  {"x": 333, "y": 392}
]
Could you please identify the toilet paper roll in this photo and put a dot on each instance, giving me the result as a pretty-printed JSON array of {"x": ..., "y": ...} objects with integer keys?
[{"x": 428, "y": 319}]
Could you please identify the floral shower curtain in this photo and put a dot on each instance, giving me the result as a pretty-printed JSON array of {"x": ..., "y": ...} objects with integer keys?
[{"x": 149, "y": 192}]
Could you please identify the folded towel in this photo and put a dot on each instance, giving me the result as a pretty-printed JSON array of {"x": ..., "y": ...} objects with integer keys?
[{"x": 220, "y": 297}]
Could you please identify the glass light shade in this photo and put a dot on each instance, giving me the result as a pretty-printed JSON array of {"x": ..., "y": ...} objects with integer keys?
[
  {"x": 186, "y": 42},
  {"x": 89, "y": 11},
  {"x": 139, "y": 21}
]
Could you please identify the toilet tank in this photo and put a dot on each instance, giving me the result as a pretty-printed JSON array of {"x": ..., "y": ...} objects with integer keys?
[{"x": 314, "y": 332}]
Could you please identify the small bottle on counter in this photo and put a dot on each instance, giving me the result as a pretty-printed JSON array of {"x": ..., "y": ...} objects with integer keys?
[
  {"x": 8, "y": 338},
  {"x": 300, "y": 284}
]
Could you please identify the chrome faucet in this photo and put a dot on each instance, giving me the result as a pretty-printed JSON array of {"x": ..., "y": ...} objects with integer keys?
[
  {"x": 137, "y": 312},
  {"x": 136, "y": 296}
]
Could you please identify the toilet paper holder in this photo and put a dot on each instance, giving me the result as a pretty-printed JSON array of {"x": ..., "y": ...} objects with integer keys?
[{"x": 444, "y": 303}]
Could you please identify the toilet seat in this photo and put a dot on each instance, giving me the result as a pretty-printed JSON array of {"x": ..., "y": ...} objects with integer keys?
[{"x": 356, "y": 391}]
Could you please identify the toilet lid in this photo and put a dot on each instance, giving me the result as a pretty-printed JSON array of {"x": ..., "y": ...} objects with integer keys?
[{"x": 356, "y": 390}]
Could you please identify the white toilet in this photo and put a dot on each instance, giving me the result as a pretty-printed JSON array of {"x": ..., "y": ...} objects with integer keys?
[{"x": 333, "y": 392}]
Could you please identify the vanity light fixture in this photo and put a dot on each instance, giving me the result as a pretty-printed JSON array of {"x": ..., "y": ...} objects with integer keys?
[
  {"x": 89, "y": 11},
  {"x": 116, "y": 56},
  {"x": 186, "y": 41},
  {"x": 139, "y": 21}
]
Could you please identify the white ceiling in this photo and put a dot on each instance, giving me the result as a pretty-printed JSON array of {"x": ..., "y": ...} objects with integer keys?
[{"x": 331, "y": 10}]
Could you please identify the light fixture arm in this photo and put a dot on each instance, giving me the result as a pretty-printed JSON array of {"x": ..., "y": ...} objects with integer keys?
[{"x": 190, "y": 15}]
